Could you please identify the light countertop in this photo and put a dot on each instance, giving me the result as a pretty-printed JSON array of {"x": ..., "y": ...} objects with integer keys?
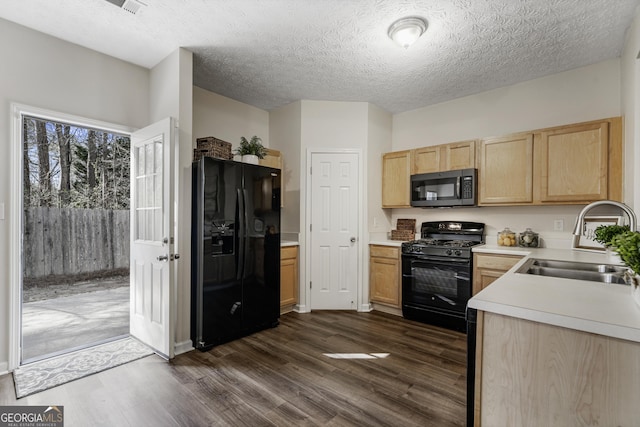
[
  {"x": 576, "y": 304},
  {"x": 284, "y": 243},
  {"x": 386, "y": 242}
]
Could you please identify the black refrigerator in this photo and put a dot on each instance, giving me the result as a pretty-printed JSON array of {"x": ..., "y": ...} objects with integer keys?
[{"x": 235, "y": 243}]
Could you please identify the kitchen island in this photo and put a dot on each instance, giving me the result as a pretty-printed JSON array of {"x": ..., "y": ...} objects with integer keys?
[{"x": 554, "y": 351}]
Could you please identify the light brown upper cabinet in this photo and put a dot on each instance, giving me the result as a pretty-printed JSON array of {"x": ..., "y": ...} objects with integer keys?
[
  {"x": 446, "y": 157},
  {"x": 578, "y": 163},
  {"x": 505, "y": 170},
  {"x": 273, "y": 159},
  {"x": 573, "y": 163},
  {"x": 396, "y": 177}
]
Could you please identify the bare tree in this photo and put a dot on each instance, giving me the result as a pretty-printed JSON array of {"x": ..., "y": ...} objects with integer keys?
[
  {"x": 25, "y": 167},
  {"x": 92, "y": 156},
  {"x": 44, "y": 175},
  {"x": 64, "y": 135}
]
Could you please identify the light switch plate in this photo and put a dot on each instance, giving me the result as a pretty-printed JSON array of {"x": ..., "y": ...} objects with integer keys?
[{"x": 558, "y": 225}]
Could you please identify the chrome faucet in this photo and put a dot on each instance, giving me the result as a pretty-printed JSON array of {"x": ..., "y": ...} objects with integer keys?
[{"x": 580, "y": 221}]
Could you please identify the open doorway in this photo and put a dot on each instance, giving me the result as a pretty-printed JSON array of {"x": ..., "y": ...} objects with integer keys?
[{"x": 75, "y": 237}]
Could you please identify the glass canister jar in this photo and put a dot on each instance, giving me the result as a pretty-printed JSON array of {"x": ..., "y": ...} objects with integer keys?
[
  {"x": 528, "y": 239},
  {"x": 506, "y": 237}
]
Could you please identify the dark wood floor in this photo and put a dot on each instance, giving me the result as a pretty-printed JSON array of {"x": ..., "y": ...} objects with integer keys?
[{"x": 282, "y": 377}]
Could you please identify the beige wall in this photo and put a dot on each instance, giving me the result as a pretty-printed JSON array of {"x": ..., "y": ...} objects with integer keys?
[
  {"x": 224, "y": 118},
  {"x": 171, "y": 95},
  {"x": 45, "y": 72},
  {"x": 285, "y": 133},
  {"x": 630, "y": 89},
  {"x": 379, "y": 142},
  {"x": 583, "y": 94},
  {"x": 587, "y": 93}
]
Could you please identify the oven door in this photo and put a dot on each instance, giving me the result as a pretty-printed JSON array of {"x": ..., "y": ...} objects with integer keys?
[{"x": 436, "y": 282}]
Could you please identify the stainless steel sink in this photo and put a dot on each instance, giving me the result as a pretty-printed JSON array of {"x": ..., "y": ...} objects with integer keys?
[{"x": 603, "y": 273}]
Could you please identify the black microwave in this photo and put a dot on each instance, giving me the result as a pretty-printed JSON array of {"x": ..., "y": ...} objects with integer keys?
[{"x": 444, "y": 189}]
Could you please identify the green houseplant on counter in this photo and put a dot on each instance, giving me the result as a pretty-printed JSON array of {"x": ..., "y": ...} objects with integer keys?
[
  {"x": 251, "y": 150},
  {"x": 604, "y": 234},
  {"x": 626, "y": 244}
]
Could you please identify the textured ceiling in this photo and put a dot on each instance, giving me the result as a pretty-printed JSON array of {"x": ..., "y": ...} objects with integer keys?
[{"x": 268, "y": 53}]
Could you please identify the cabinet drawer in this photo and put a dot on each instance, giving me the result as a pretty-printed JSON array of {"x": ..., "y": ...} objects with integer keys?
[
  {"x": 289, "y": 252},
  {"x": 384, "y": 251},
  {"x": 496, "y": 262}
]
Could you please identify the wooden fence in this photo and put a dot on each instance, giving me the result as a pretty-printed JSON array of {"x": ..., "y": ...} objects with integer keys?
[{"x": 66, "y": 241}]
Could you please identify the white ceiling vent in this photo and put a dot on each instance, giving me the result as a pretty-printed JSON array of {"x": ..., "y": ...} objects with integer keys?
[{"x": 131, "y": 6}]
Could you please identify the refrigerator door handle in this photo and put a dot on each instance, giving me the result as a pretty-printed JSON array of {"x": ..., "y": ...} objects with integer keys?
[
  {"x": 245, "y": 249},
  {"x": 240, "y": 233}
]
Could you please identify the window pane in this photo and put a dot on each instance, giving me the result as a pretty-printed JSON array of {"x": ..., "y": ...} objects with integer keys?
[
  {"x": 158, "y": 157},
  {"x": 148, "y": 153},
  {"x": 149, "y": 224},
  {"x": 158, "y": 191},
  {"x": 140, "y": 161},
  {"x": 158, "y": 224},
  {"x": 140, "y": 230}
]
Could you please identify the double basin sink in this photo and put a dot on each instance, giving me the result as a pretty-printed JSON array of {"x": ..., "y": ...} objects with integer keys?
[{"x": 603, "y": 273}]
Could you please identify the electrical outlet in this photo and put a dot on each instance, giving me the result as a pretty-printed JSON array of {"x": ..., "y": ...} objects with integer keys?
[{"x": 558, "y": 225}]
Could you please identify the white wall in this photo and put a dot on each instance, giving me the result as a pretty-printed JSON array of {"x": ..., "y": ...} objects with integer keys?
[
  {"x": 584, "y": 94},
  {"x": 171, "y": 95},
  {"x": 226, "y": 119},
  {"x": 630, "y": 89},
  {"x": 285, "y": 135},
  {"x": 42, "y": 71}
]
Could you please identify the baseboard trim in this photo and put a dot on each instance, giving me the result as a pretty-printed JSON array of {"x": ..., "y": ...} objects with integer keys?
[
  {"x": 365, "y": 308},
  {"x": 183, "y": 347},
  {"x": 4, "y": 368},
  {"x": 389, "y": 310}
]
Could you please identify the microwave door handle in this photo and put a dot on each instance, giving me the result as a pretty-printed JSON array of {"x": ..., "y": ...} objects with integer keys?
[{"x": 458, "y": 180}]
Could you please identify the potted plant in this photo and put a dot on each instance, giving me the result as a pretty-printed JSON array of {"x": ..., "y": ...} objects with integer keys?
[
  {"x": 251, "y": 150},
  {"x": 605, "y": 233},
  {"x": 627, "y": 245}
]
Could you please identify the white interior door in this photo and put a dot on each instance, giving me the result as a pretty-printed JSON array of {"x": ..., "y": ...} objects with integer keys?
[
  {"x": 152, "y": 219},
  {"x": 334, "y": 231}
]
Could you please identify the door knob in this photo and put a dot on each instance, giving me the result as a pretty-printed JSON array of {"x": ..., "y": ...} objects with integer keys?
[
  {"x": 353, "y": 240},
  {"x": 163, "y": 258}
]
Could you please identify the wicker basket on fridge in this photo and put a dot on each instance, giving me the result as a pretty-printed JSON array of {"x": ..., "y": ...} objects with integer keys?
[{"x": 212, "y": 147}]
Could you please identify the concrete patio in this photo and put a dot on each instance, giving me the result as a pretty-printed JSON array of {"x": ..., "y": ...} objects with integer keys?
[{"x": 58, "y": 324}]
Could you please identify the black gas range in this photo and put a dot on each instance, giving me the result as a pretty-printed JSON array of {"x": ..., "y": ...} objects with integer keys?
[{"x": 436, "y": 272}]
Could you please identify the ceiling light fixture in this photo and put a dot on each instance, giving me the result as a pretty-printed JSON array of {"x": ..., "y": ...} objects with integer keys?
[{"x": 406, "y": 31}]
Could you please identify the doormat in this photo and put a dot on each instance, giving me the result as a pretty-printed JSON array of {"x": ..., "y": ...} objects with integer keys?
[{"x": 45, "y": 374}]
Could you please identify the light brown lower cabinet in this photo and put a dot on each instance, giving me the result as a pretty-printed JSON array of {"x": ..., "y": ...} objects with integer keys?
[
  {"x": 489, "y": 267},
  {"x": 288, "y": 278},
  {"x": 534, "y": 374},
  {"x": 384, "y": 275}
]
